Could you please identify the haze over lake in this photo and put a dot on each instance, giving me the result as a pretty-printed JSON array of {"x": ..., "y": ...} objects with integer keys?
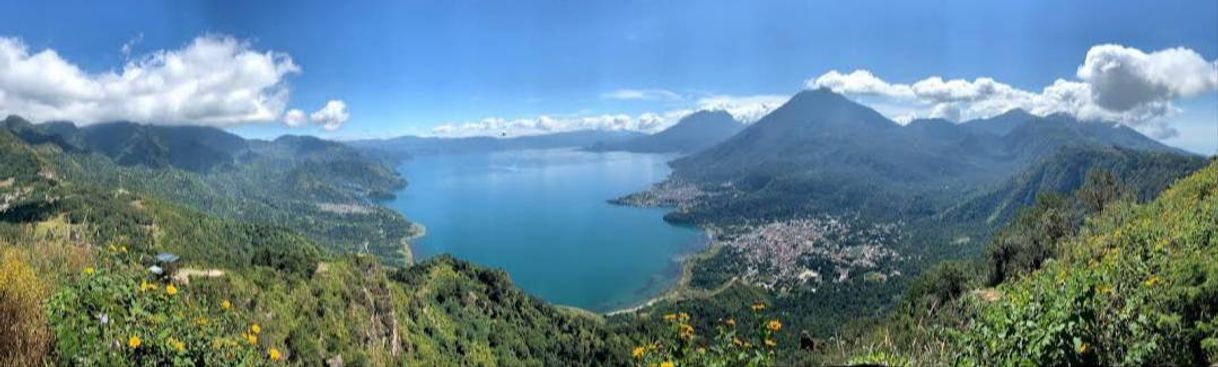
[{"x": 542, "y": 216}]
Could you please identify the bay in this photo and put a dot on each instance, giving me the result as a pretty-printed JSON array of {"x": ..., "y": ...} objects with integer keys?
[{"x": 543, "y": 216}]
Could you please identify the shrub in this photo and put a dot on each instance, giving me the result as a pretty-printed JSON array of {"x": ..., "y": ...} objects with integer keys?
[{"x": 24, "y": 338}]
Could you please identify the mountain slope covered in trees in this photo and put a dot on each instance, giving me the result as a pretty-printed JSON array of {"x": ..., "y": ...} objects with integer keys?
[{"x": 322, "y": 189}]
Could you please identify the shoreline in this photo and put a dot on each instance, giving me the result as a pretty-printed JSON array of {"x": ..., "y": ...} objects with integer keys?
[{"x": 681, "y": 284}]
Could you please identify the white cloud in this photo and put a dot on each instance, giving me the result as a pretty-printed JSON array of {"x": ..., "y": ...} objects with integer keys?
[
  {"x": 332, "y": 116},
  {"x": 1116, "y": 83},
  {"x": 1124, "y": 78},
  {"x": 743, "y": 108},
  {"x": 294, "y": 118},
  {"x": 545, "y": 124},
  {"x": 746, "y": 109},
  {"x": 643, "y": 94},
  {"x": 859, "y": 82},
  {"x": 130, "y": 45},
  {"x": 213, "y": 80}
]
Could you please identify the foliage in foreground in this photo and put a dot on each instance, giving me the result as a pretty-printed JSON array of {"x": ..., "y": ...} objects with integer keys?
[{"x": 1134, "y": 285}]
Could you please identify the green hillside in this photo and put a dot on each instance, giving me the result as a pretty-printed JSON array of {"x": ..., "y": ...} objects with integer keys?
[{"x": 1134, "y": 285}]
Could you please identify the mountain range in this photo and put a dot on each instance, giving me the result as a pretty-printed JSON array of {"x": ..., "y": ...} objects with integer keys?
[
  {"x": 822, "y": 151},
  {"x": 310, "y": 262},
  {"x": 692, "y": 133},
  {"x": 403, "y": 147}
]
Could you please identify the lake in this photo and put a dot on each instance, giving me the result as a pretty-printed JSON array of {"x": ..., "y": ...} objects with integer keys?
[{"x": 542, "y": 216}]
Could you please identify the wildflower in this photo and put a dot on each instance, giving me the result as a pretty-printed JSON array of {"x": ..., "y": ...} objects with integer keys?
[
  {"x": 686, "y": 331},
  {"x": 89, "y": 270},
  {"x": 274, "y": 354},
  {"x": 638, "y": 352},
  {"x": 670, "y": 317},
  {"x": 1152, "y": 281},
  {"x": 251, "y": 338},
  {"x": 133, "y": 342},
  {"x": 171, "y": 290},
  {"x": 758, "y": 307},
  {"x": 146, "y": 286},
  {"x": 177, "y": 345},
  {"x": 226, "y": 305},
  {"x": 201, "y": 321},
  {"x": 682, "y": 316},
  {"x": 667, "y": 364},
  {"x": 730, "y": 322},
  {"x": 737, "y": 342},
  {"x": 255, "y": 329},
  {"x": 770, "y": 343},
  {"x": 1082, "y": 348},
  {"x": 773, "y": 325},
  {"x": 103, "y": 318}
]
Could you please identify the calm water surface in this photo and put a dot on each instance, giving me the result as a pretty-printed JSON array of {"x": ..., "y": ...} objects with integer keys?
[{"x": 542, "y": 216}]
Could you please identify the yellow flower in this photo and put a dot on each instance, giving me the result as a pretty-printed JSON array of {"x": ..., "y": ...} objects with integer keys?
[
  {"x": 1082, "y": 348},
  {"x": 686, "y": 331},
  {"x": 670, "y": 317},
  {"x": 255, "y": 329},
  {"x": 730, "y": 322},
  {"x": 770, "y": 343},
  {"x": 89, "y": 271},
  {"x": 133, "y": 342},
  {"x": 202, "y": 321},
  {"x": 146, "y": 286},
  {"x": 177, "y": 345},
  {"x": 171, "y": 290},
  {"x": 667, "y": 364},
  {"x": 683, "y": 316},
  {"x": 274, "y": 354},
  {"x": 1154, "y": 279},
  {"x": 758, "y": 307},
  {"x": 251, "y": 338},
  {"x": 638, "y": 352},
  {"x": 737, "y": 342},
  {"x": 226, "y": 305},
  {"x": 773, "y": 325}
]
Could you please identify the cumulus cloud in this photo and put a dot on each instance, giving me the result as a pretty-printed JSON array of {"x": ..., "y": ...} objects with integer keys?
[
  {"x": 213, "y": 80},
  {"x": 294, "y": 118},
  {"x": 643, "y": 94},
  {"x": 1124, "y": 78},
  {"x": 1115, "y": 83},
  {"x": 332, "y": 116},
  {"x": 545, "y": 124},
  {"x": 745, "y": 109}
]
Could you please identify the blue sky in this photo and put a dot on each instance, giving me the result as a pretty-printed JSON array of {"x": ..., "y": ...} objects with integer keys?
[{"x": 407, "y": 67}]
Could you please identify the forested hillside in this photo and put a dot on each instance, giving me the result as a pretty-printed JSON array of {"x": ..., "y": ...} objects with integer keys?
[
  {"x": 830, "y": 211},
  {"x": 78, "y": 289},
  {"x": 319, "y": 188},
  {"x": 1085, "y": 279}
]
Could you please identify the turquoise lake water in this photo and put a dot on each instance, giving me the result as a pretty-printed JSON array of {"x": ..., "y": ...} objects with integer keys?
[{"x": 542, "y": 216}]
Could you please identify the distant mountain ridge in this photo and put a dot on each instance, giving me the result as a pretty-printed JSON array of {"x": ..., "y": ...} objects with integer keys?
[
  {"x": 692, "y": 133},
  {"x": 406, "y": 146}
]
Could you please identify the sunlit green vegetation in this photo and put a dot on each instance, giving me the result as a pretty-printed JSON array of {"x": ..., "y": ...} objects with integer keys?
[{"x": 1130, "y": 285}]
